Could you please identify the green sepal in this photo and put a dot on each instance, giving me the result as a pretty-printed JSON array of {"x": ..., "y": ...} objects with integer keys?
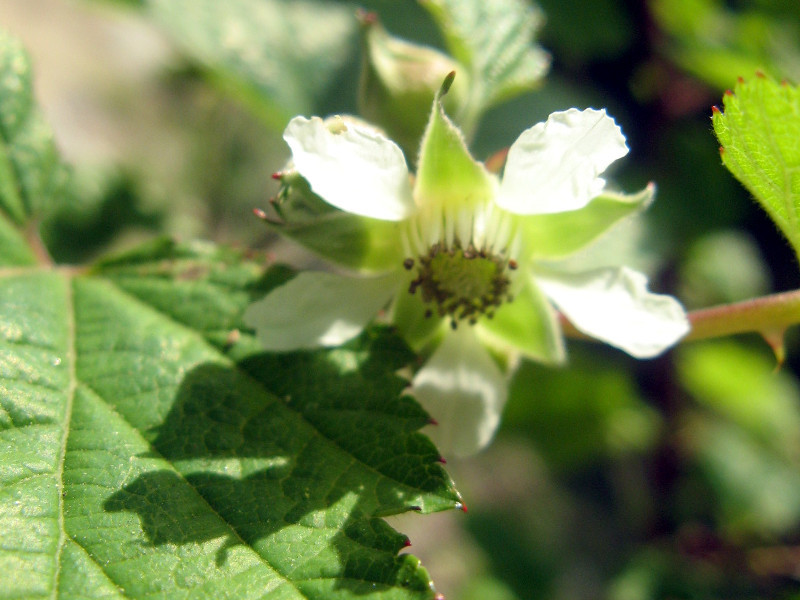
[
  {"x": 352, "y": 241},
  {"x": 557, "y": 235},
  {"x": 447, "y": 175},
  {"x": 758, "y": 130},
  {"x": 399, "y": 80},
  {"x": 528, "y": 324},
  {"x": 408, "y": 316}
]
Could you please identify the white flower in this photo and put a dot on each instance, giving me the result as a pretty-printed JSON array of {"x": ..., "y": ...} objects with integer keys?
[{"x": 470, "y": 257}]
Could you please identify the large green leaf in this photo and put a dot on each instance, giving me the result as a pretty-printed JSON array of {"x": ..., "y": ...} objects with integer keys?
[
  {"x": 278, "y": 55},
  {"x": 495, "y": 41},
  {"x": 758, "y": 130},
  {"x": 149, "y": 449}
]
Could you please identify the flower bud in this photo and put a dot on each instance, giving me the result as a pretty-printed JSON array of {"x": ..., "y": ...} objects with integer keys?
[{"x": 399, "y": 80}]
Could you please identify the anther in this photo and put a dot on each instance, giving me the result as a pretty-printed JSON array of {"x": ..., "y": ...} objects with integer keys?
[{"x": 512, "y": 264}]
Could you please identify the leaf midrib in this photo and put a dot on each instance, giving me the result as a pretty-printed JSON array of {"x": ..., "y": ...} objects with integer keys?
[{"x": 70, "y": 357}]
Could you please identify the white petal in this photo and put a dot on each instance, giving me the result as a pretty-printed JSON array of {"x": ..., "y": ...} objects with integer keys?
[
  {"x": 318, "y": 309},
  {"x": 351, "y": 166},
  {"x": 614, "y": 305},
  {"x": 555, "y": 166},
  {"x": 464, "y": 390}
]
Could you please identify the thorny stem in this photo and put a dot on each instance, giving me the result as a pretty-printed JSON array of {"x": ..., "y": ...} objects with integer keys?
[{"x": 767, "y": 315}]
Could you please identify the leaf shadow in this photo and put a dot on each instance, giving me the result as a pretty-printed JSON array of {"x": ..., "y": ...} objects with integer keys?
[{"x": 297, "y": 456}]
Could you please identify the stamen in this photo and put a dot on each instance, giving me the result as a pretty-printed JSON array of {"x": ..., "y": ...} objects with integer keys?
[
  {"x": 503, "y": 233},
  {"x": 416, "y": 239},
  {"x": 449, "y": 227},
  {"x": 492, "y": 224},
  {"x": 515, "y": 246},
  {"x": 435, "y": 231},
  {"x": 465, "y": 226},
  {"x": 405, "y": 242}
]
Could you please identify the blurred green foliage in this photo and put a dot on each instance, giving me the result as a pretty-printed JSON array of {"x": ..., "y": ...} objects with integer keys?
[{"x": 672, "y": 478}]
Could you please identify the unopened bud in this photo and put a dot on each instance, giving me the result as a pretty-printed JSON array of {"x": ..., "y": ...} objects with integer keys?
[{"x": 399, "y": 80}]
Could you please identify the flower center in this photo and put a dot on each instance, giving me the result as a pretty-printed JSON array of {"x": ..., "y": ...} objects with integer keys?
[
  {"x": 463, "y": 284},
  {"x": 463, "y": 260}
]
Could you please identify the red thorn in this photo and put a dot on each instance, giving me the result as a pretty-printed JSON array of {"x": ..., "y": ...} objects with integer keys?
[
  {"x": 432, "y": 421},
  {"x": 406, "y": 543},
  {"x": 715, "y": 110},
  {"x": 721, "y": 150},
  {"x": 775, "y": 340},
  {"x": 760, "y": 75},
  {"x": 740, "y": 79},
  {"x": 259, "y": 213},
  {"x": 728, "y": 93},
  {"x": 442, "y": 460},
  {"x": 366, "y": 17},
  {"x": 496, "y": 161},
  {"x": 277, "y": 175},
  {"x": 461, "y": 506}
]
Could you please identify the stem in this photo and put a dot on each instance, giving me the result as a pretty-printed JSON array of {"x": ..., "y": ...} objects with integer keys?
[
  {"x": 766, "y": 315},
  {"x": 35, "y": 242}
]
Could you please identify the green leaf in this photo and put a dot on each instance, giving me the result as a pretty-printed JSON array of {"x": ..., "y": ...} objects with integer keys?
[
  {"x": 749, "y": 455},
  {"x": 758, "y": 130},
  {"x": 276, "y": 55},
  {"x": 148, "y": 450},
  {"x": 717, "y": 41},
  {"x": 31, "y": 175},
  {"x": 494, "y": 41}
]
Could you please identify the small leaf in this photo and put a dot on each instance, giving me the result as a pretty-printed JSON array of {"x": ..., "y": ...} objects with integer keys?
[
  {"x": 758, "y": 130},
  {"x": 31, "y": 175},
  {"x": 277, "y": 55},
  {"x": 716, "y": 41},
  {"x": 494, "y": 41}
]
